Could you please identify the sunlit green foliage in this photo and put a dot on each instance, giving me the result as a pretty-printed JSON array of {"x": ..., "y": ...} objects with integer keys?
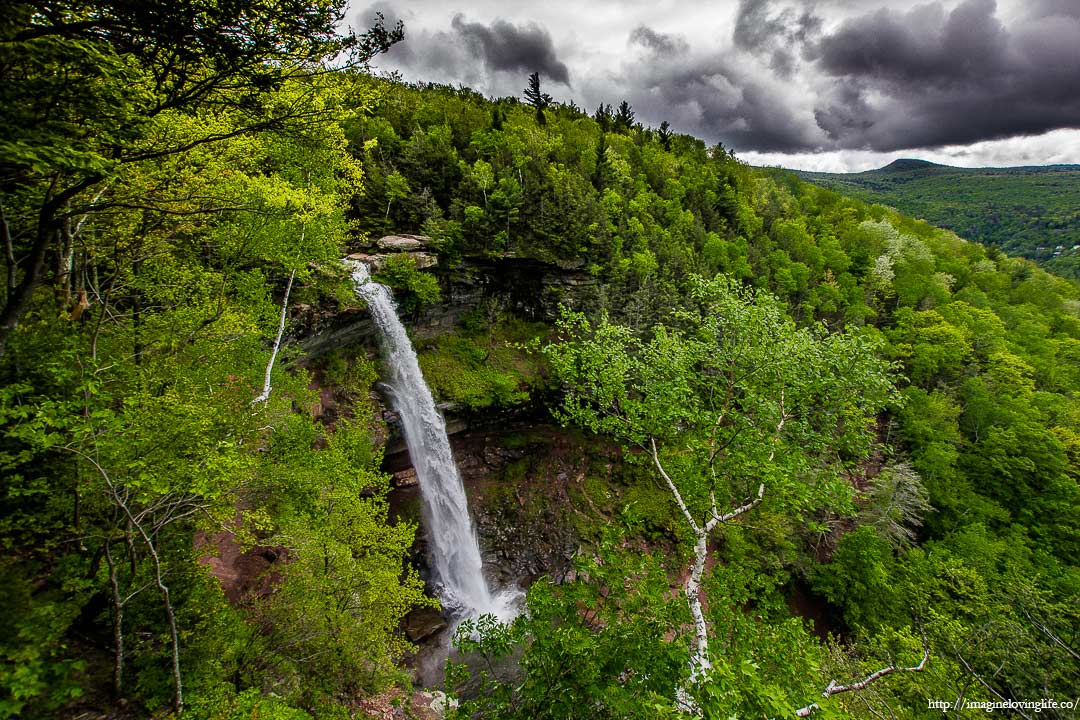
[
  {"x": 399, "y": 272},
  {"x": 158, "y": 192}
]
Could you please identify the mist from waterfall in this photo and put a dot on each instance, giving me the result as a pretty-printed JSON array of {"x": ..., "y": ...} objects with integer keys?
[{"x": 452, "y": 545}]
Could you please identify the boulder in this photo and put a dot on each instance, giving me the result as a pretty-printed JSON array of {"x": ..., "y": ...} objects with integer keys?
[
  {"x": 431, "y": 704},
  {"x": 402, "y": 243},
  {"x": 406, "y": 478},
  {"x": 422, "y": 623},
  {"x": 424, "y": 259}
]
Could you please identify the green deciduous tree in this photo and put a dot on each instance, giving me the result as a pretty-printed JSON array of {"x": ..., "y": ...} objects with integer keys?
[
  {"x": 729, "y": 401},
  {"x": 85, "y": 85}
]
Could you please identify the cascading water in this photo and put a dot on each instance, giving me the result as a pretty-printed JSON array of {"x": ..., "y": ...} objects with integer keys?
[{"x": 454, "y": 551}]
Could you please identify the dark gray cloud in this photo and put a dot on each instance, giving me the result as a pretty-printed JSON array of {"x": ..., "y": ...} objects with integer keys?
[
  {"x": 925, "y": 46},
  {"x": 366, "y": 18},
  {"x": 660, "y": 43},
  {"x": 760, "y": 24},
  {"x": 462, "y": 52},
  {"x": 783, "y": 63},
  {"x": 369, "y": 15},
  {"x": 713, "y": 96},
  {"x": 724, "y": 94},
  {"x": 504, "y": 46},
  {"x": 934, "y": 76},
  {"x": 777, "y": 34},
  {"x": 1050, "y": 8}
]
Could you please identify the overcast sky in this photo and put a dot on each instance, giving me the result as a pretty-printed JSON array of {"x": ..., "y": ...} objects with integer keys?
[{"x": 826, "y": 85}]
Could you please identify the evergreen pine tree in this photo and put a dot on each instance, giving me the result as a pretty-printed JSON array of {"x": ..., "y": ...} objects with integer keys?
[
  {"x": 624, "y": 117},
  {"x": 665, "y": 135},
  {"x": 603, "y": 116},
  {"x": 538, "y": 99}
]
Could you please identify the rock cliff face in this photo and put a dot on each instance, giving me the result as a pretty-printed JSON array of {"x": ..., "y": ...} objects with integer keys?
[
  {"x": 526, "y": 287},
  {"x": 519, "y": 479},
  {"x": 529, "y": 288}
]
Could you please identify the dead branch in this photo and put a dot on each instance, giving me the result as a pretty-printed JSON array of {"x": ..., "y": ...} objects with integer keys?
[
  {"x": 835, "y": 688},
  {"x": 178, "y": 694}
]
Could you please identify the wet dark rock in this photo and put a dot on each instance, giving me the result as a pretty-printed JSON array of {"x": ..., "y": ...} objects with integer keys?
[
  {"x": 422, "y": 623},
  {"x": 406, "y": 478}
]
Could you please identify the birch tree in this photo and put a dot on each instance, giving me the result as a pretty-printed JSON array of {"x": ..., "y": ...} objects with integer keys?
[{"x": 733, "y": 406}]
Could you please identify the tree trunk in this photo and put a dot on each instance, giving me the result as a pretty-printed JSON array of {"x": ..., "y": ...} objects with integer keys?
[
  {"x": 19, "y": 296},
  {"x": 700, "y": 664},
  {"x": 47, "y": 230},
  {"x": 265, "y": 395},
  {"x": 159, "y": 577},
  {"x": 136, "y": 313},
  {"x": 170, "y": 614},
  {"x": 118, "y": 627},
  {"x": 64, "y": 262},
  {"x": 699, "y": 660},
  {"x": 9, "y": 254}
]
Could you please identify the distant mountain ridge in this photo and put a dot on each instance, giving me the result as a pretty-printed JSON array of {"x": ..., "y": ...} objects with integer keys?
[
  {"x": 907, "y": 164},
  {"x": 1033, "y": 211}
]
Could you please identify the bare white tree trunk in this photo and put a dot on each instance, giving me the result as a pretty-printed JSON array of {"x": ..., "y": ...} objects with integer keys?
[
  {"x": 265, "y": 395},
  {"x": 66, "y": 259},
  {"x": 170, "y": 614},
  {"x": 700, "y": 662}
]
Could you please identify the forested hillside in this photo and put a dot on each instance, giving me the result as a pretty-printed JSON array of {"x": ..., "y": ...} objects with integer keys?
[
  {"x": 803, "y": 400},
  {"x": 1027, "y": 211}
]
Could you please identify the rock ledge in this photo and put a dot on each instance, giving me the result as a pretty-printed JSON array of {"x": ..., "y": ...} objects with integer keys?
[{"x": 403, "y": 242}]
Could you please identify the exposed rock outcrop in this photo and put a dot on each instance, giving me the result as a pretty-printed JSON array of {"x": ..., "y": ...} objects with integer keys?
[
  {"x": 402, "y": 242},
  {"x": 529, "y": 288},
  {"x": 377, "y": 261}
]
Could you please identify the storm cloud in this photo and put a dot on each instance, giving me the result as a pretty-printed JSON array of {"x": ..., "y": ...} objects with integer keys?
[
  {"x": 658, "y": 42},
  {"x": 494, "y": 57},
  {"x": 761, "y": 24},
  {"x": 714, "y": 95},
  {"x": 507, "y": 47},
  {"x": 933, "y": 76}
]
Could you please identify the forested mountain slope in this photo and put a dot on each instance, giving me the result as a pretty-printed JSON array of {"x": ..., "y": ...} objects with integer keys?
[
  {"x": 982, "y": 425},
  {"x": 1027, "y": 211},
  {"x": 800, "y": 395}
]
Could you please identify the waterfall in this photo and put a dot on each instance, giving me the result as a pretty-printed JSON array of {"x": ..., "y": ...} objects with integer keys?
[{"x": 453, "y": 548}]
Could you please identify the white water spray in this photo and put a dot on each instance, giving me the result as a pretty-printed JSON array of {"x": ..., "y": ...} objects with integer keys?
[{"x": 453, "y": 549}]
